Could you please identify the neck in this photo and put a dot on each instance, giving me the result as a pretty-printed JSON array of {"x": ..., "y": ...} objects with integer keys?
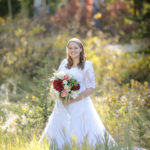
[{"x": 75, "y": 61}]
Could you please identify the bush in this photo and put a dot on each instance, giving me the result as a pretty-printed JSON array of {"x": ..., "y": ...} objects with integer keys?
[{"x": 127, "y": 107}]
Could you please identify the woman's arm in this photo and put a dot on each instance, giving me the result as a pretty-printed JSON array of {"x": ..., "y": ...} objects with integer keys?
[{"x": 82, "y": 95}]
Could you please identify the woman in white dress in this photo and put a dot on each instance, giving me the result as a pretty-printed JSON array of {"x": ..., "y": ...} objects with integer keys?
[{"x": 79, "y": 118}]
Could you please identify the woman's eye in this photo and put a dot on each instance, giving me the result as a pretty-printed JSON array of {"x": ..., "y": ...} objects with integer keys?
[{"x": 73, "y": 48}]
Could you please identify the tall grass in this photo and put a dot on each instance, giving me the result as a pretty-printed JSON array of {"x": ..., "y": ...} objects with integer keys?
[{"x": 24, "y": 142}]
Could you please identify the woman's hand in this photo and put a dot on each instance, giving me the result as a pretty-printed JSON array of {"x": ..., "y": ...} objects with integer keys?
[
  {"x": 81, "y": 96},
  {"x": 69, "y": 101}
]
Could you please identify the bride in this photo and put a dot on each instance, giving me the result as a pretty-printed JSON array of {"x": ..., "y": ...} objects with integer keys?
[{"x": 79, "y": 119}]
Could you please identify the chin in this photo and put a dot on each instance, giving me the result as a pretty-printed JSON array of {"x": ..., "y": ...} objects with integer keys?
[{"x": 74, "y": 56}]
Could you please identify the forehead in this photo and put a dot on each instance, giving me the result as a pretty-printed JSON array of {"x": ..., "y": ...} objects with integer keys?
[{"x": 73, "y": 44}]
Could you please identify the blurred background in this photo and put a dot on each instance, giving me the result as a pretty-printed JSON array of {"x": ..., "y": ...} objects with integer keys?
[{"x": 33, "y": 37}]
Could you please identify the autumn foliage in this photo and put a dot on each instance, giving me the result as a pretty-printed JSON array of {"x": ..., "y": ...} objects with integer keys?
[{"x": 75, "y": 11}]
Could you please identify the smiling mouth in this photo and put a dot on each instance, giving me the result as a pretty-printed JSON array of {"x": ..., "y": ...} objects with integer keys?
[{"x": 73, "y": 53}]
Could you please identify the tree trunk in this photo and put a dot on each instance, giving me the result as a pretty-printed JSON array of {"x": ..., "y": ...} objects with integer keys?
[
  {"x": 37, "y": 7},
  {"x": 138, "y": 7},
  {"x": 41, "y": 6},
  {"x": 10, "y": 8},
  {"x": 86, "y": 11}
]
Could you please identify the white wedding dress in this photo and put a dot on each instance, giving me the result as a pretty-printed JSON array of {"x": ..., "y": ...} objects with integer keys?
[{"x": 79, "y": 118}]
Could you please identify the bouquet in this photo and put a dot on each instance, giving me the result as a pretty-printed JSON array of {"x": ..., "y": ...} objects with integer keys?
[{"x": 64, "y": 86}]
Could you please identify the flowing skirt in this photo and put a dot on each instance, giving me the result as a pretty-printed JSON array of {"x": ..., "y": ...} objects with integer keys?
[{"x": 79, "y": 120}]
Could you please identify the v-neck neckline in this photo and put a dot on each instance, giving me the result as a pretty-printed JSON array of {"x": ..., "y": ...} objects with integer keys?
[{"x": 73, "y": 67}]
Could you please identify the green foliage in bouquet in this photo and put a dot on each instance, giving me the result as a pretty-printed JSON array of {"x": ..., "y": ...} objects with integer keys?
[{"x": 73, "y": 81}]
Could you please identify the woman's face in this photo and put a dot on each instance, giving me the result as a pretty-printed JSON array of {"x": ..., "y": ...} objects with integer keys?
[{"x": 73, "y": 50}]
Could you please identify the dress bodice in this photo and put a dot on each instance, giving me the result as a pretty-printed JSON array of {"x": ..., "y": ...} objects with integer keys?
[{"x": 84, "y": 76}]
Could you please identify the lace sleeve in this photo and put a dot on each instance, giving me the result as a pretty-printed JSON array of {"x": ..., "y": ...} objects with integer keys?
[
  {"x": 61, "y": 65},
  {"x": 89, "y": 75}
]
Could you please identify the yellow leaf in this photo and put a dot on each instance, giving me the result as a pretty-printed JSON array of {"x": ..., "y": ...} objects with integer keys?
[{"x": 97, "y": 16}]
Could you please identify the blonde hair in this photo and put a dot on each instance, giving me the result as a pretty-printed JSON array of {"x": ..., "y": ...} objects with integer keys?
[{"x": 82, "y": 54}]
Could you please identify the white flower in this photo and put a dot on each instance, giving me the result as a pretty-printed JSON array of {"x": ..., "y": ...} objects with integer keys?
[
  {"x": 74, "y": 94},
  {"x": 51, "y": 79},
  {"x": 70, "y": 75},
  {"x": 67, "y": 88},
  {"x": 65, "y": 82},
  {"x": 59, "y": 75},
  {"x": 54, "y": 93}
]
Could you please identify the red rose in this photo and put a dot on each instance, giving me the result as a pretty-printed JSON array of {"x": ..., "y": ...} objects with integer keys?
[
  {"x": 58, "y": 85},
  {"x": 75, "y": 88}
]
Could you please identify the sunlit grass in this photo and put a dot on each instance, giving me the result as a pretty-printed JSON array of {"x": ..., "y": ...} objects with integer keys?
[{"x": 22, "y": 142}]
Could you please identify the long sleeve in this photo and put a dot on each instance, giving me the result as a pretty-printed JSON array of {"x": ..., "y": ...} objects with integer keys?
[{"x": 89, "y": 75}]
